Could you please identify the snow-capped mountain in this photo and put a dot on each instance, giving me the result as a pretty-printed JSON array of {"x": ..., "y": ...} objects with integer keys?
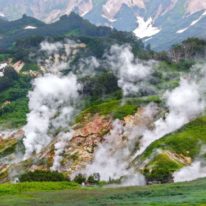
[{"x": 159, "y": 22}]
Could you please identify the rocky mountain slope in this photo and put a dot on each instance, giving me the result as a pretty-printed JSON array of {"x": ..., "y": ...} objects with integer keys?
[
  {"x": 159, "y": 23},
  {"x": 25, "y": 27}
]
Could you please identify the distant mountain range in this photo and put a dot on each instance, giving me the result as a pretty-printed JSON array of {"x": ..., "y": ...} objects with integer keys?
[
  {"x": 160, "y": 23},
  {"x": 28, "y": 27}
]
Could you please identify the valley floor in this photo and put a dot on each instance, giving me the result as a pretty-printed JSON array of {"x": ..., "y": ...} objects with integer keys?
[{"x": 64, "y": 194}]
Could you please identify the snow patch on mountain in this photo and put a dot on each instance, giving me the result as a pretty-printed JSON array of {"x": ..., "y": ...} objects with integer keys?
[
  {"x": 145, "y": 28},
  {"x": 182, "y": 30},
  {"x": 192, "y": 24},
  {"x": 30, "y": 27},
  {"x": 2, "y": 66},
  {"x": 111, "y": 20},
  {"x": 2, "y": 14}
]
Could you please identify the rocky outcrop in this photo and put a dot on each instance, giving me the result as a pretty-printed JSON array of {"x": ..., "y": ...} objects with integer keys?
[
  {"x": 18, "y": 66},
  {"x": 80, "y": 150},
  {"x": 9, "y": 143},
  {"x": 112, "y": 7}
]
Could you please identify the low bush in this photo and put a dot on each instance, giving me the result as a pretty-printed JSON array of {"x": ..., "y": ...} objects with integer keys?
[
  {"x": 80, "y": 178},
  {"x": 42, "y": 176}
]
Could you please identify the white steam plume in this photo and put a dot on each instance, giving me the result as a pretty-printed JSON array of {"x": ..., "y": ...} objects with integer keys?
[
  {"x": 63, "y": 139},
  {"x": 51, "y": 48},
  {"x": 184, "y": 104},
  {"x": 112, "y": 157},
  {"x": 131, "y": 72},
  {"x": 110, "y": 163},
  {"x": 88, "y": 66},
  {"x": 51, "y": 105},
  {"x": 52, "y": 102},
  {"x": 59, "y": 55},
  {"x": 194, "y": 171}
]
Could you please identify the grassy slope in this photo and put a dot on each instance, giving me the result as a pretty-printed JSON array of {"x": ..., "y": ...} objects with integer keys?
[
  {"x": 13, "y": 115},
  {"x": 117, "y": 108},
  {"x": 64, "y": 194},
  {"x": 185, "y": 142}
]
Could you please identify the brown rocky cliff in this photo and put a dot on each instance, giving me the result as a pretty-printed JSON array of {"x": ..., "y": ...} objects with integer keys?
[{"x": 79, "y": 151}]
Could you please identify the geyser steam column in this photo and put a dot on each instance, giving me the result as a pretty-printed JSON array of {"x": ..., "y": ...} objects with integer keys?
[
  {"x": 184, "y": 104},
  {"x": 51, "y": 107},
  {"x": 51, "y": 104}
]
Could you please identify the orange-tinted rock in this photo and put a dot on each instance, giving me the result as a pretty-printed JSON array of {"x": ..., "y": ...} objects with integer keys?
[{"x": 79, "y": 151}]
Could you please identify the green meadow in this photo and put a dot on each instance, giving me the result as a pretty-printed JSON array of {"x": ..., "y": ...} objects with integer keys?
[{"x": 66, "y": 194}]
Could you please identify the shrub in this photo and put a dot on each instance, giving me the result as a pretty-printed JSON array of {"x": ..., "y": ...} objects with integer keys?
[
  {"x": 10, "y": 75},
  {"x": 80, "y": 178},
  {"x": 94, "y": 179},
  {"x": 161, "y": 169},
  {"x": 42, "y": 176}
]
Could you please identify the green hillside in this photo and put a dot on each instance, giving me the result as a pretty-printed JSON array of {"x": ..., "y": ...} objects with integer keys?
[{"x": 176, "y": 148}]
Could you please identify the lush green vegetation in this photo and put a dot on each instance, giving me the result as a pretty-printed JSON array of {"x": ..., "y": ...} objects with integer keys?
[
  {"x": 117, "y": 108},
  {"x": 10, "y": 76},
  {"x": 4, "y": 57},
  {"x": 183, "y": 66},
  {"x": 189, "y": 49},
  {"x": 92, "y": 179},
  {"x": 18, "y": 90},
  {"x": 161, "y": 168},
  {"x": 13, "y": 115},
  {"x": 30, "y": 66},
  {"x": 6, "y": 189},
  {"x": 80, "y": 178},
  {"x": 186, "y": 142},
  {"x": 46, "y": 194},
  {"x": 8, "y": 148},
  {"x": 42, "y": 176},
  {"x": 14, "y": 103},
  {"x": 99, "y": 86}
]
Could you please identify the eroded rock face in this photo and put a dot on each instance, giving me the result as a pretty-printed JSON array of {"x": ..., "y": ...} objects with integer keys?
[
  {"x": 112, "y": 7},
  {"x": 85, "y": 7},
  {"x": 11, "y": 134},
  {"x": 9, "y": 143},
  {"x": 79, "y": 151},
  {"x": 194, "y": 6},
  {"x": 113, "y": 157}
]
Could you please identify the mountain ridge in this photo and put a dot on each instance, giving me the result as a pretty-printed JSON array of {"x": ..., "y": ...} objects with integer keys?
[{"x": 169, "y": 21}]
